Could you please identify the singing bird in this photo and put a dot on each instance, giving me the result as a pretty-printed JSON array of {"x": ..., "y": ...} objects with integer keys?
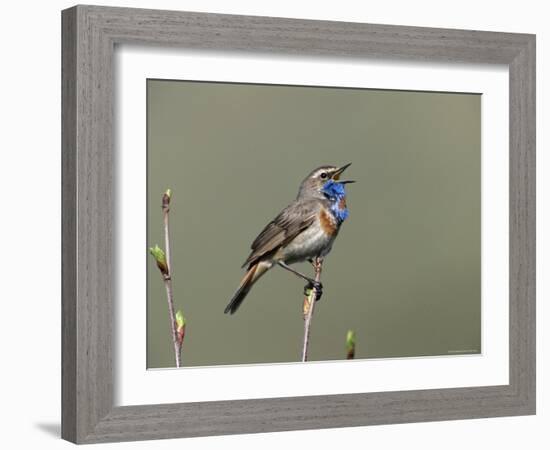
[{"x": 303, "y": 231}]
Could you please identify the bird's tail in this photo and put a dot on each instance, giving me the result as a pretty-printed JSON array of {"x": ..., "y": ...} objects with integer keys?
[{"x": 254, "y": 272}]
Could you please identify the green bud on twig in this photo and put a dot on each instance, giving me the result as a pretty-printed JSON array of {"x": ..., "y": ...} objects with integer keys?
[
  {"x": 180, "y": 324},
  {"x": 308, "y": 299},
  {"x": 350, "y": 344},
  {"x": 180, "y": 319},
  {"x": 160, "y": 258}
]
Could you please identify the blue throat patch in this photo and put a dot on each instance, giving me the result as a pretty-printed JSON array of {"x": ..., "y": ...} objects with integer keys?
[{"x": 336, "y": 193}]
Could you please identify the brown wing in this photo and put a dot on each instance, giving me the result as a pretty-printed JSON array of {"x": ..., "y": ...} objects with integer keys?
[{"x": 292, "y": 220}]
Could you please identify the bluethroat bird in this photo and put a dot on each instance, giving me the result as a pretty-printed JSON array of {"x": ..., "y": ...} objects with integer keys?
[{"x": 303, "y": 231}]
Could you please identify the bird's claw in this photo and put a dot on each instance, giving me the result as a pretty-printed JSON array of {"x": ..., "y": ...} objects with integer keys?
[{"x": 318, "y": 289}]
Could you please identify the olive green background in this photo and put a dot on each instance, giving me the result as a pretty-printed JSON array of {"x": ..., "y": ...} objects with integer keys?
[{"x": 405, "y": 270}]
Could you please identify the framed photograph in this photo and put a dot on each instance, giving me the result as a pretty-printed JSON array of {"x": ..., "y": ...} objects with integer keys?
[{"x": 278, "y": 224}]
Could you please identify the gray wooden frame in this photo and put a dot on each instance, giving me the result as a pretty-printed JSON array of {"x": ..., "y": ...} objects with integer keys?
[{"x": 89, "y": 36}]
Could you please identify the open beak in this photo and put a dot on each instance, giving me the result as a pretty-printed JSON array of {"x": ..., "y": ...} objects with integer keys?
[{"x": 338, "y": 172}]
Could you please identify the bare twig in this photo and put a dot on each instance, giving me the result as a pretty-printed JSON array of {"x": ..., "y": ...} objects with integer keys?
[
  {"x": 309, "y": 306},
  {"x": 165, "y": 267},
  {"x": 166, "y": 197}
]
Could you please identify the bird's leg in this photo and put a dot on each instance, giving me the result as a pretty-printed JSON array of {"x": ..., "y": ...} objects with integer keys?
[
  {"x": 295, "y": 272},
  {"x": 311, "y": 283}
]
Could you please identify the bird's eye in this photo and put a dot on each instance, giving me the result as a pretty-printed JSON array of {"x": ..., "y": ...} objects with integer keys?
[{"x": 324, "y": 175}]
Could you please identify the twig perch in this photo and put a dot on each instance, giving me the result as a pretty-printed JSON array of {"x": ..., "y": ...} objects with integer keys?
[
  {"x": 309, "y": 306},
  {"x": 168, "y": 277},
  {"x": 177, "y": 321}
]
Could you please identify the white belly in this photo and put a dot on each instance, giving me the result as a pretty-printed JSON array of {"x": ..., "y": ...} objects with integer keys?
[{"x": 308, "y": 244}]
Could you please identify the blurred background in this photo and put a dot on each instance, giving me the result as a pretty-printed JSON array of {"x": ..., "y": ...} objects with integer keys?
[{"x": 405, "y": 270}]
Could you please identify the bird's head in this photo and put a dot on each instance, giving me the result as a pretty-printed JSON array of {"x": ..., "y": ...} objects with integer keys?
[{"x": 315, "y": 182}]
